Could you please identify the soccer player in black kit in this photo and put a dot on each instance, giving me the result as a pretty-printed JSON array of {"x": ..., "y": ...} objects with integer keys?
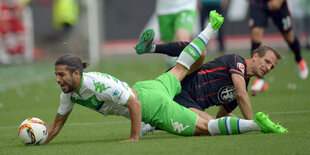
[
  {"x": 277, "y": 10},
  {"x": 222, "y": 82}
]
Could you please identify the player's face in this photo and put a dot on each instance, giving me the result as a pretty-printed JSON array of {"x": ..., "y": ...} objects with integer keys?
[
  {"x": 65, "y": 79},
  {"x": 265, "y": 64}
]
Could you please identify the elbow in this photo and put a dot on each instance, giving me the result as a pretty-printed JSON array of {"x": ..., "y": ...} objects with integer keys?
[
  {"x": 134, "y": 105},
  {"x": 138, "y": 105}
]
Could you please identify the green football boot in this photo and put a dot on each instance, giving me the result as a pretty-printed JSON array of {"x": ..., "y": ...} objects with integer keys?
[
  {"x": 146, "y": 42},
  {"x": 216, "y": 20},
  {"x": 267, "y": 125}
]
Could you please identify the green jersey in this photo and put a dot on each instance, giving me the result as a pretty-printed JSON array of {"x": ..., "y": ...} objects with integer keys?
[{"x": 100, "y": 92}]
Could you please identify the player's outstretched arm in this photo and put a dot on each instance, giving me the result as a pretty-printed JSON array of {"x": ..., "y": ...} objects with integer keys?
[
  {"x": 54, "y": 128},
  {"x": 242, "y": 96},
  {"x": 134, "y": 106}
]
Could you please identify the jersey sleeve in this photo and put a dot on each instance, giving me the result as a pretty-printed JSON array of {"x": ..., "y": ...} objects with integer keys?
[
  {"x": 65, "y": 104},
  {"x": 237, "y": 65},
  {"x": 120, "y": 93}
]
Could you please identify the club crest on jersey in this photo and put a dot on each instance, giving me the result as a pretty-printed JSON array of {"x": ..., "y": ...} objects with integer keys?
[
  {"x": 241, "y": 67},
  {"x": 226, "y": 94}
]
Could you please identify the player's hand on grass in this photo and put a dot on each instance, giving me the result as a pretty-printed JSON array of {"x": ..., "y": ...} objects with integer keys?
[{"x": 131, "y": 140}]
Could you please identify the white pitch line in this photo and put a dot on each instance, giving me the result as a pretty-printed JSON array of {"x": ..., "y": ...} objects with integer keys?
[
  {"x": 290, "y": 112},
  {"x": 97, "y": 123},
  {"x": 76, "y": 124},
  {"x": 121, "y": 122}
]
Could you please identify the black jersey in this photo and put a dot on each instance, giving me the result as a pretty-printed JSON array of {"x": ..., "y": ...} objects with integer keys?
[{"x": 212, "y": 84}]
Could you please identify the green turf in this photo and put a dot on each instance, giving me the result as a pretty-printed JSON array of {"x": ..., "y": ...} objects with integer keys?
[{"x": 31, "y": 90}]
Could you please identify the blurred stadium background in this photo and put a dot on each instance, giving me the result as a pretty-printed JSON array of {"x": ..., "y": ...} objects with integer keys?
[{"x": 120, "y": 24}]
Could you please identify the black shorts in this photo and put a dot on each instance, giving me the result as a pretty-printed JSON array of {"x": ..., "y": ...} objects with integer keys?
[
  {"x": 185, "y": 99},
  {"x": 281, "y": 18}
]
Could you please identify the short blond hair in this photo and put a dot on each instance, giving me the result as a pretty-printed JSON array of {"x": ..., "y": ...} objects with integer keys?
[{"x": 261, "y": 50}]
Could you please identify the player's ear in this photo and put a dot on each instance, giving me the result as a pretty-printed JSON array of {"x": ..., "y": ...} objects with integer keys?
[
  {"x": 255, "y": 56},
  {"x": 76, "y": 72}
]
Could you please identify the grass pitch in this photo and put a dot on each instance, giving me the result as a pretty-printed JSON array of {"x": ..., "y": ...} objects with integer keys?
[{"x": 31, "y": 91}]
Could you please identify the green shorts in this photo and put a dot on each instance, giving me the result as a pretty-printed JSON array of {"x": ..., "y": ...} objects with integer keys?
[
  {"x": 169, "y": 23},
  {"x": 159, "y": 109}
]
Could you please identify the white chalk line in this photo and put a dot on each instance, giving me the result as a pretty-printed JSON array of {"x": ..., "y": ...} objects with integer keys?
[
  {"x": 77, "y": 124},
  {"x": 121, "y": 122}
]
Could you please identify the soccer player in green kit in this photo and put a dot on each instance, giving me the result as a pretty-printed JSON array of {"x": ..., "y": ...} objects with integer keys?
[{"x": 152, "y": 101}]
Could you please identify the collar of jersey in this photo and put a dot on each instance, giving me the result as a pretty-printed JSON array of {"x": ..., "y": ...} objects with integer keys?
[{"x": 81, "y": 85}]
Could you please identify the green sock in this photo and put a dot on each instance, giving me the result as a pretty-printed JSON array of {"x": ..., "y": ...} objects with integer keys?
[
  {"x": 193, "y": 51},
  {"x": 228, "y": 125}
]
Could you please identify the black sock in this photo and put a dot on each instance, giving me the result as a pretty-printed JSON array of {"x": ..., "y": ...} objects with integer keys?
[
  {"x": 295, "y": 47},
  {"x": 156, "y": 128},
  {"x": 254, "y": 46},
  {"x": 172, "y": 49}
]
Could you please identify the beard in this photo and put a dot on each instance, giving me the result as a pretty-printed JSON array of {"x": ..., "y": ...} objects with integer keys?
[{"x": 71, "y": 87}]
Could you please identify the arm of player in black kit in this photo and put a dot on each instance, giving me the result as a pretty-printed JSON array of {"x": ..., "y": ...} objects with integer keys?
[
  {"x": 242, "y": 96},
  {"x": 134, "y": 106},
  {"x": 54, "y": 127},
  {"x": 222, "y": 112}
]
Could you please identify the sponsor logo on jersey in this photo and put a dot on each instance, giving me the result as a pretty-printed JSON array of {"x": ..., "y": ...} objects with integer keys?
[
  {"x": 178, "y": 126},
  {"x": 226, "y": 94},
  {"x": 116, "y": 92},
  {"x": 100, "y": 86},
  {"x": 241, "y": 67}
]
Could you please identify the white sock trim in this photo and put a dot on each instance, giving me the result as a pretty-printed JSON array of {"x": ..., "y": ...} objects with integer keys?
[
  {"x": 153, "y": 48},
  {"x": 248, "y": 126},
  {"x": 207, "y": 33},
  {"x": 186, "y": 60},
  {"x": 213, "y": 127}
]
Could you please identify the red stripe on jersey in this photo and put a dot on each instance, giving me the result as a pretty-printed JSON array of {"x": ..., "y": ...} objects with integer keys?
[
  {"x": 212, "y": 81},
  {"x": 227, "y": 107},
  {"x": 237, "y": 71},
  {"x": 206, "y": 96},
  {"x": 212, "y": 70}
]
